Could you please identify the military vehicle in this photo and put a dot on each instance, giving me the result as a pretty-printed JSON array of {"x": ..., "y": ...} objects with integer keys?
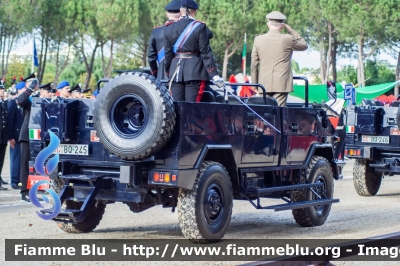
[
  {"x": 135, "y": 145},
  {"x": 373, "y": 140}
]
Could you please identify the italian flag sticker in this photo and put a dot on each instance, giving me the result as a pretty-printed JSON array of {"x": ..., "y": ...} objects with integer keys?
[
  {"x": 349, "y": 129},
  {"x": 34, "y": 134}
]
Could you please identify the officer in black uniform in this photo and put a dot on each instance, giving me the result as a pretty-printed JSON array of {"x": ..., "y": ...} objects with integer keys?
[
  {"x": 45, "y": 90},
  {"x": 25, "y": 103},
  {"x": 15, "y": 120},
  {"x": 189, "y": 60},
  {"x": 53, "y": 92},
  {"x": 156, "y": 52},
  {"x": 77, "y": 92},
  {"x": 3, "y": 132}
]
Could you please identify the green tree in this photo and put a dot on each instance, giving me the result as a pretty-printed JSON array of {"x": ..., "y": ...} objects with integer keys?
[
  {"x": 360, "y": 26},
  {"x": 348, "y": 74},
  {"x": 13, "y": 24},
  {"x": 125, "y": 14}
]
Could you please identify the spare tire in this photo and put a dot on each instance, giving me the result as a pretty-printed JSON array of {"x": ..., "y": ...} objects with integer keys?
[{"x": 134, "y": 116}]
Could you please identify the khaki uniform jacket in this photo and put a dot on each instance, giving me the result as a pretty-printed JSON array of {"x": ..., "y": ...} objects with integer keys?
[{"x": 271, "y": 60}]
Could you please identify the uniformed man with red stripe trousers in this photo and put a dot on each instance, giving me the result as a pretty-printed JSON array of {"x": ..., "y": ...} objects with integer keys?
[
  {"x": 155, "y": 51},
  {"x": 189, "y": 61}
]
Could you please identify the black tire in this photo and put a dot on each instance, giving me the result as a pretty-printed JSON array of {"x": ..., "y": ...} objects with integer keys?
[
  {"x": 134, "y": 116},
  {"x": 318, "y": 170},
  {"x": 90, "y": 222},
  {"x": 199, "y": 221},
  {"x": 366, "y": 181}
]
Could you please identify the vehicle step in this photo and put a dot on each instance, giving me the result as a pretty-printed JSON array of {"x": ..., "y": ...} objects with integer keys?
[
  {"x": 81, "y": 177},
  {"x": 79, "y": 185},
  {"x": 299, "y": 205},
  {"x": 379, "y": 165},
  {"x": 75, "y": 199},
  {"x": 65, "y": 212},
  {"x": 341, "y": 163},
  {"x": 65, "y": 220},
  {"x": 285, "y": 188}
]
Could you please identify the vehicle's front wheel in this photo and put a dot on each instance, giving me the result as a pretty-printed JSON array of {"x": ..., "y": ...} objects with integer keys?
[
  {"x": 366, "y": 181},
  {"x": 205, "y": 211},
  {"x": 318, "y": 171}
]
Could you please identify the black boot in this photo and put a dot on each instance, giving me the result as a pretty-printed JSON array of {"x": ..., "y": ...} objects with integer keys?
[
  {"x": 2, "y": 182},
  {"x": 25, "y": 197}
]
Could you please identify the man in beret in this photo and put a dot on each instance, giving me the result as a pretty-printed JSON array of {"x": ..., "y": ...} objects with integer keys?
[
  {"x": 189, "y": 61},
  {"x": 25, "y": 103},
  {"x": 271, "y": 57},
  {"x": 15, "y": 120},
  {"x": 63, "y": 88},
  {"x": 3, "y": 132},
  {"x": 45, "y": 90},
  {"x": 156, "y": 52}
]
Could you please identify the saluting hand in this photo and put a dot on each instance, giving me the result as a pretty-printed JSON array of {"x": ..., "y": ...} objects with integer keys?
[{"x": 288, "y": 28}]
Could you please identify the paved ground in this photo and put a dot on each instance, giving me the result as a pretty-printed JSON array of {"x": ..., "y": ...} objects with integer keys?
[{"x": 354, "y": 217}]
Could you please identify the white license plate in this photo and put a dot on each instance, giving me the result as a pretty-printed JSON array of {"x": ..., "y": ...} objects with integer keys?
[
  {"x": 73, "y": 149},
  {"x": 377, "y": 139}
]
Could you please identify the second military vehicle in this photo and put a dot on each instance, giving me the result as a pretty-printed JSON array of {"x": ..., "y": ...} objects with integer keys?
[{"x": 373, "y": 140}]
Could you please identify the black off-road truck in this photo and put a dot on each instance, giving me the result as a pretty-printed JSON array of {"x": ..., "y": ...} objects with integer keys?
[
  {"x": 134, "y": 145},
  {"x": 373, "y": 140}
]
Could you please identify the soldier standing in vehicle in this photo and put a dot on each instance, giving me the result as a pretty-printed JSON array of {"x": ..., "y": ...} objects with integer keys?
[
  {"x": 271, "y": 57},
  {"x": 156, "y": 52},
  {"x": 25, "y": 103},
  {"x": 189, "y": 61}
]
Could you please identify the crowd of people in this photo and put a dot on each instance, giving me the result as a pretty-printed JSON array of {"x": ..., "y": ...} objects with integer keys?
[{"x": 15, "y": 106}]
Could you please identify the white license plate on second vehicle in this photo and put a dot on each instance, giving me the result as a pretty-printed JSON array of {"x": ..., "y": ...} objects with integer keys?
[
  {"x": 73, "y": 149},
  {"x": 377, "y": 139}
]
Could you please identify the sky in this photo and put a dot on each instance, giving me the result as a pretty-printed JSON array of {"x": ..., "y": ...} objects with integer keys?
[{"x": 308, "y": 58}]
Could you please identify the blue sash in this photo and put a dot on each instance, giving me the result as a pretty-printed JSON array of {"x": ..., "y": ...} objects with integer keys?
[
  {"x": 161, "y": 55},
  {"x": 185, "y": 35}
]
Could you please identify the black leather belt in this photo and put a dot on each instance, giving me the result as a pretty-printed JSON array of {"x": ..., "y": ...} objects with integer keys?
[{"x": 186, "y": 55}]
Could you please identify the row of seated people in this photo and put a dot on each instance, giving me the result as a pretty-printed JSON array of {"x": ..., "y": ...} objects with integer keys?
[{"x": 209, "y": 97}]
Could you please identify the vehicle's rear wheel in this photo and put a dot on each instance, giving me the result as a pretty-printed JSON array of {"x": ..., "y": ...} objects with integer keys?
[
  {"x": 205, "y": 211},
  {"x": 134, "y": 116},
  {"x": 366, "y": 181},
  {"x": 90, "y": 222},
  {"x": 318, "y": 171}
]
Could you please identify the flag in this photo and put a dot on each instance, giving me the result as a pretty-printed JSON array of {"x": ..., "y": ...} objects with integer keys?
[
  {"x": 34, "y": 134},
  {"x": 244, "y": 56},
  {"x": 349, "y": 129},
  {"x": 35, "y": 59}
]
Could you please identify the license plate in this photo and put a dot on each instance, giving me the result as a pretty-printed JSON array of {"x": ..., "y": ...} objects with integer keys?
[
  {"x": 73, "y": 149},
  {"x": 373, "y": 139}
]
